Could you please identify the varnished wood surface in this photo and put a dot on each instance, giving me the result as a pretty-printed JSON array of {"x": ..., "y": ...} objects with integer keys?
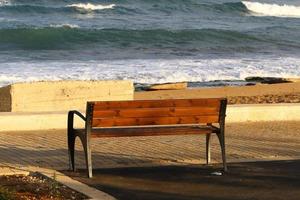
[
  {"x": 101, "y": 105},
  {"x": 110, "y": 122},
  {"x": 152, "y": 131},
  {"x": 156, "y": 112}
]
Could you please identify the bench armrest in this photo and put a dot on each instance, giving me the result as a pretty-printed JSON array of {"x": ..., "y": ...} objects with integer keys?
[
  {"x": 72, "y": 112},
  {"x": 71, "y": 118}
]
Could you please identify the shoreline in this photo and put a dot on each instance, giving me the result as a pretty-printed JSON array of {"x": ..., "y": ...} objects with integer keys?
[{"x": 248, "y": 81}]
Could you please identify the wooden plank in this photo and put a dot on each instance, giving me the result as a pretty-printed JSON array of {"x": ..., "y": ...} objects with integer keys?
[
  {"x": 156, "y": 112},
  {"x": 101, "y": 105},
  {"x": 152, "y": 131},
  {"x": 118, "y": 121}
]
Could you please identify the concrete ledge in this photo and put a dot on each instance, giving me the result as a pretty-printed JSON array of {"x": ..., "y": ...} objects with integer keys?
[
  {"x": 263, "y": 112},
  {"x": 35, "y": 121},
  {"x": 235, "y": 113},
  {"x": 61, "y": 95}
]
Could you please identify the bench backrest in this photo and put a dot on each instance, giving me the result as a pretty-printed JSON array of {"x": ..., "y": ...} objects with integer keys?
[{"x": 155, "y": 112}]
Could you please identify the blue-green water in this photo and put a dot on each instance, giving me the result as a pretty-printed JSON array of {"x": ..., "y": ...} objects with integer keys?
[{"x": 148, "y": 41}]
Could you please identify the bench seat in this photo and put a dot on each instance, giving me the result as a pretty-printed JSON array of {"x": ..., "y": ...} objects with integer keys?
[{"x": 150, "y": 131}]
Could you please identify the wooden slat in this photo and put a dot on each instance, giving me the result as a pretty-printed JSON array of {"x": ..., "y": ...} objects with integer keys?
[
  {"x": 101, "y": 105},
  {"x": 152, "y": 131},
  {"x": 156, "y": 112},
  {"x": 118, "y": 121}
]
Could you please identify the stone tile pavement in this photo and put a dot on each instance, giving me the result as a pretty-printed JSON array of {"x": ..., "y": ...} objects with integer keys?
[{"x": 244, "y": 142}]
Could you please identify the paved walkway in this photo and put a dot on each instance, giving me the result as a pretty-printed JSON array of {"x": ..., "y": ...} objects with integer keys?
[{"x": 245, "y": 141}]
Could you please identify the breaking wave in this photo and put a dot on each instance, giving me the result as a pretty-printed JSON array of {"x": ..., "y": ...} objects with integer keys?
[
  {"x": 89, "y": 6},
  {"x": 40, "y": 8},
  {"x": 273, "y": 9},
  {"x": 146, "y": 71},
  {"x": 4, "y": 2},
  {"x": 64, "y": 26},
  {"x": 165, "y": 7}
]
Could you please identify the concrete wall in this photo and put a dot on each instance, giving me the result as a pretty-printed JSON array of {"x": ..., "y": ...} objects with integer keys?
[
  {"x": 235, "y": 113},
  {"x": 263, "y": 112},
  {"x": 10, "y": 121},
  {"x": 61, "y": 95}
]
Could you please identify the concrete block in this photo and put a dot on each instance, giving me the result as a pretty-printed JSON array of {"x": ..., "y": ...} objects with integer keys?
[
  {"x": 61, "y": 95},
  {"x": 263, "y": 112}
]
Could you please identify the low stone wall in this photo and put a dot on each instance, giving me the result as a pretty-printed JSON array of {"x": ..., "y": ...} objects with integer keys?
[
  {"x": 61, "y": 95},
  {"x": 263, "y": 112}
]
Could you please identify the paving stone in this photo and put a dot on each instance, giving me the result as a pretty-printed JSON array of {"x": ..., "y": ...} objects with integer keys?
[{"x": 244, "y": 141}]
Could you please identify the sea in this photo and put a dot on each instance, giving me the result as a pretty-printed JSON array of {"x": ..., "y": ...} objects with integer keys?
[{"x": 148, "y": 41}]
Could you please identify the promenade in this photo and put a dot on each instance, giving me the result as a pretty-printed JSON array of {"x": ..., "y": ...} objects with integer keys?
[{"x": 249, "y": 141}]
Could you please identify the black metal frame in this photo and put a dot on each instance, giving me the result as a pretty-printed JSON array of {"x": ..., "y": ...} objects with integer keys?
[
  {"x": 220, "y": 134},
  {"x": 84, "y": 137}
]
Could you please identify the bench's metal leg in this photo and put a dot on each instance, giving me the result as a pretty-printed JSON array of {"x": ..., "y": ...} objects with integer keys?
[
  {"x": 72, "y": 136},
  {"x": 89, "y": 161},
  {"x": 208, "y": 148},
  {"x": 71, "y": 149},
  {"x": 88, "y": 156},
  {"x": 222, "y": 144}
]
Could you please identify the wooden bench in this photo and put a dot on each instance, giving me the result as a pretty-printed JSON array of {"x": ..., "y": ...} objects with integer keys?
[{"x": 148, "y": 118}]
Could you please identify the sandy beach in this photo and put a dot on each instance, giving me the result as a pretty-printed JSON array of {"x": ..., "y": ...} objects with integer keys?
[{"x": 254, "y": 94}]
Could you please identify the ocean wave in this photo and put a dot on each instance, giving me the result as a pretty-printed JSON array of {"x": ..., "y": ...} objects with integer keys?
[
  {"x": 71, "y": 36},
  {"x": 64, "y": 26},
  {"x": 193, "y": 7},
  {"x": 127, "y": 8},
  {"x": 273, "y": 9},
  {"x": 91, "y": 7},
  {"x": 5, "y": 2},
  {"x": 50, "y": 9},
  {"x": 64, "y": 36},
  {"x": 24, "y": 8},
  {"x": 229, "y": 7},
  {"x": 152, "y": 70}
]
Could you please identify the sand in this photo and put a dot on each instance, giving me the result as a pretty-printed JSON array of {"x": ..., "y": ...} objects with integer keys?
[{"x": 261, "y": 93}]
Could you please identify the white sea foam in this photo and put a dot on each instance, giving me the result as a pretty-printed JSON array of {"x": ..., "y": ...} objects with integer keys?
[
  {"x": 151, "y": 71},
  {"x": 5, "y": 2},
  {"x": 64, "y": 26},
  {"x": 89, "y": 6},
  {"x": 273, "y": 9}
]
